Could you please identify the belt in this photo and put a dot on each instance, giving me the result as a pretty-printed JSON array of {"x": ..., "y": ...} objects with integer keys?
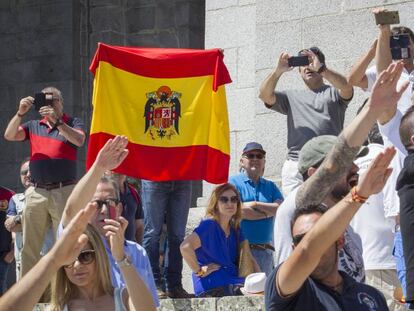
[
  {"x": 56, "y": 185},
  {"x": 262, "y": 247}
]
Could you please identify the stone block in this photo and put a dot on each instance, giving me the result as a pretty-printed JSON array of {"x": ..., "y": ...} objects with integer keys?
[
  {"x": 54, "y": 68},
  {"x": 9, "y": 49},
  {"x": 220, "y": 4},
  {"x": 138, "y": 19},
  {"x": 27, "y": 18},
  {"x": 241, "y": 107},
  {"x": 246, "y": 66},
  {"x": 56, "y": 15},
  {"x": 107, "y": 18},
  {"x": 143, "y": 39},
  {"x": 96, "y": 3},
  {"x": 368, "y": 4},
  {"x": 189, "y": 14},
  {"x": 168, "y": 39},
  {"x": 191, "y": 37},
  {"x": 273, "y": 11},
  {"x": 163, "y": 17},
  {"x": 240, "y": 303},
  {"x": 320, "y": 7},
  {"x": 8, "y": 24},
  {"x": 242, "y": 138},
  {"x": 234, "y": 165},
  {"x": 247, "y": 2},
  {"x": 108, "y": 37},
  {"x": 225, "y": 28},
  {"x": 273, "y": 39}
]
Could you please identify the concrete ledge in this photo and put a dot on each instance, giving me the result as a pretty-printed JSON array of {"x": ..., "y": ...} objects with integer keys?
[{"x": 239, "y": 303}]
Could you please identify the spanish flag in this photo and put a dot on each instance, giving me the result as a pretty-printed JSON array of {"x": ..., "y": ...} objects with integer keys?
[{"x": 170, "y": 103}]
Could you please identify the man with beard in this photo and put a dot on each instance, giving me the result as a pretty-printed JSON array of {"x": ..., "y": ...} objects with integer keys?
[
  {"x": 309, "y": 276},
  {"x": 311, "y": 157},
  {"x": 319, "y": 109}
]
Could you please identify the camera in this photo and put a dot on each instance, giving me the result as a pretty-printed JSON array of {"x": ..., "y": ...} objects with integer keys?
[
  {"x": 43, "y": 99},
  {"x": 400, "y": 46}
]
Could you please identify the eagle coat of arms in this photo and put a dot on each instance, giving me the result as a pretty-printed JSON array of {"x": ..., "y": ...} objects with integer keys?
[{"x": 162, "y": 113}]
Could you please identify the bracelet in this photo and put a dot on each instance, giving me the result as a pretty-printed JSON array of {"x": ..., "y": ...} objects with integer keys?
[
  {"x": 20, "y": 115},
  {"x": 200, "y": 273},
  {"x": 356, "y": 197}
]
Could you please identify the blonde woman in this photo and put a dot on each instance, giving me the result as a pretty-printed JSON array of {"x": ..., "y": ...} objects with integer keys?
[
  {"x": 211, "y": 250},
  {"x": 86, "y": 284}
]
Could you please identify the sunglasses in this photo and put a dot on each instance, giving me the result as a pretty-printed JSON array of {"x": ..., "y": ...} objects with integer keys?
[
  {"x": 297, "y": 238},
  {"x": 108, "y": 202},
  {"x": 251, "y": 156},
  {"x": 233, "y": 199},
  {"x": 85, "y": 257}
]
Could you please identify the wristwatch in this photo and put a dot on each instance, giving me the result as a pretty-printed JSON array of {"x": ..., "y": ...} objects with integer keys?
[
  {"x": 200, "y": 273},
  {"x": 58, "y": 122},
  {"x": 125, "y": 262}
]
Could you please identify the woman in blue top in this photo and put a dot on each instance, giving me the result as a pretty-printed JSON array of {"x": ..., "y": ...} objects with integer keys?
[{"x": 211, "y": 250}]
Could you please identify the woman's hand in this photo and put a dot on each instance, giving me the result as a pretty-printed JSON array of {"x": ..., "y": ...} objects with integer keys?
[
  {"x": 210, "y": 268},
  {"x": 115, "y": 230}
]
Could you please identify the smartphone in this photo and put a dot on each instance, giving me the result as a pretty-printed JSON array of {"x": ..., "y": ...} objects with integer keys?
[
  {"x": 40, "y": 100},
  {"x": 296, "y": 61},
  {"x": 387, "y": 18},
  {"x": 400, "y": 46}
]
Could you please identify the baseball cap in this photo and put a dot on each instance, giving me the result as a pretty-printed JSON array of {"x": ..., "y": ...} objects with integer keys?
[
  {"x": 253, "y": 146},
  {"x": 316, "y": 149}
]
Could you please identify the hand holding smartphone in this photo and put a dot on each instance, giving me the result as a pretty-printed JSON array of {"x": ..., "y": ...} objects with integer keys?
[
  {"x": 297, "y": 61},
  {"x": 387, "y": 18}
]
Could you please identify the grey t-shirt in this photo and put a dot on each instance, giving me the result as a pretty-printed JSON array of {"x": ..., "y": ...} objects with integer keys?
[{"x": 310, "y": 113}]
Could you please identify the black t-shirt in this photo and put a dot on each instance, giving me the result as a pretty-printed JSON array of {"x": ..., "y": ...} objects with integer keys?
[
  {"x": 132, "y": 210},
  {"x": 315, "y": 296}
]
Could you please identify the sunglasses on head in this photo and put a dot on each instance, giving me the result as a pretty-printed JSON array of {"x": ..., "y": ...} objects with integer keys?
[
  {"x": 251, "y": 156},
  {"x": 108, "y": 202},
  {"x": 224, "y": 199},
  {"x": 297, "y": 238},
  {"x": 85, "y": 257}
]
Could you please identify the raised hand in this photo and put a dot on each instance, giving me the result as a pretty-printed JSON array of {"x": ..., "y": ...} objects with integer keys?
[
  {"x": 113, "y": 153},
  {"x": 377, "y": 174},
  {"x": 115, "y": 230},
  {"x": 384, "y": 93},
  {"x": 25, "y": 104},
  {"x": 49, "y": 113},
  {"x": 315, "y": 63},
  {"x": 283, "y": 64}
]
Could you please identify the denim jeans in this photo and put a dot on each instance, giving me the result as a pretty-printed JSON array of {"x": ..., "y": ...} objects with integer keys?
[
  {"x": 264, "y": 259},
  {"x": 170, "y": 201},
  {"x": 4, "y": 268}
]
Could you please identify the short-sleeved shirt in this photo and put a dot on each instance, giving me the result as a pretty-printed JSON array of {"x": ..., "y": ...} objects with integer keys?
[
  {"x": 219, "y": 249},
  {"x": 257, "y": 231},
  {"x": 316, "y": 296},
  {"x": 52, "y": 156},
  {"x": 132, "y": 210},
  {"x": 310, "y": 113}
]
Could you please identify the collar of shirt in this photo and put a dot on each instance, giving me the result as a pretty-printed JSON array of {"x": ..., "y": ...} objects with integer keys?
[
  {"x": 245, "y": 179},
  {"x": 65, "y": 119}
]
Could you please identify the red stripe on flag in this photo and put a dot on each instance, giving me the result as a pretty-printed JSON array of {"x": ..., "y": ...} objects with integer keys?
[
  {"x": 164, "y": 63},
  {"x": 166, "y": 164}
]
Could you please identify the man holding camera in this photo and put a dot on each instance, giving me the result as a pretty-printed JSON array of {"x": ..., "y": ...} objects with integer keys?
[
  {"x": 317, "y": 110},
  {"x": 54, "y": 141}
]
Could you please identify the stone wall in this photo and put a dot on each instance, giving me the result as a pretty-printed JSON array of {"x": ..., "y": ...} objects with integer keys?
[
  {"x": 52, "y": 42},
  {"x": 254, "y": 32}
]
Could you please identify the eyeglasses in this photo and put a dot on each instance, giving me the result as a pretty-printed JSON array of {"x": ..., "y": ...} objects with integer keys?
[
  {"x": 252, "y": 156},
  {"x": 233, "y": 199},
  {"x": 297, "y": 238},
  {"x": 108, "y": 202},
  {"x": 85, "y": 257},
  {"x": 24, "y": 172}
]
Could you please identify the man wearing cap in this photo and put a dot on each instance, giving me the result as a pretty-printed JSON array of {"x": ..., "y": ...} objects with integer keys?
[
  {"x": 260, "y": 198},
  {"x": 311, "y": 157},
  {"x": 319, "y": 109}
]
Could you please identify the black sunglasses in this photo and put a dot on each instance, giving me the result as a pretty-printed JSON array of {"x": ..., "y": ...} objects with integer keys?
[
  {"x": 251, "y": 156},
  {"x": 85, "y": 257},
  {"x": 108, "y": 202},
  {"x": 233, "y": 199},
  {"x": 297, "y": 238}
]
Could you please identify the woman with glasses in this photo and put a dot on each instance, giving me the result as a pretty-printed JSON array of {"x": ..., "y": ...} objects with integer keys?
[
  {"x": 211, "y": 250},
  {"x": 86, "y": 284}
]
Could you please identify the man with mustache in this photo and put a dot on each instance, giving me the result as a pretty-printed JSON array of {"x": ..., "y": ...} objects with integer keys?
[{"x": 319, "y": 109}]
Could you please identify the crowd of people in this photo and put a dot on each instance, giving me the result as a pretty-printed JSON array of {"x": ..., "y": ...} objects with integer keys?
[{"x": 339, "y": 237}]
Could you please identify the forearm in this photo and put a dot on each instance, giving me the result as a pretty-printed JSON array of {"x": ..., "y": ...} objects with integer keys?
[
  {"x": 357, "y": 75},
  {"x": 267, "y": 88},
  {"x": 12, "y": 129},
  {"x": 26, "y": 293},
  {"x": 190, "y": 258},
  {"x": 76, "y": 137},
  {"x": 269, "y": 208},
  {"x": 383, "y": 52},
  {"x": 83, "y": 193},
  {"x": 139, "y": 231},
  {"x": 252, "y": 213},
  {"x": 339, "y": 82},
  {"x": 140, "y": 297},
  {"x": 337, "y": 162}
]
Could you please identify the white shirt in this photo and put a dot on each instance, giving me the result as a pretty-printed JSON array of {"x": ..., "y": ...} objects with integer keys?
[
  {"x": 370, "y": 224},
  {"x": 349, "y": 258}
]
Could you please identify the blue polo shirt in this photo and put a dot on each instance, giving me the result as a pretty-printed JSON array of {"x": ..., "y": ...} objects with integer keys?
[
  {"x": 257, "y": 231},
  {"x": 312, "y": 295}
]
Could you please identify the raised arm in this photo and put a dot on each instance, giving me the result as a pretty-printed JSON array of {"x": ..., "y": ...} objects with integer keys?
[
  {"x": 329, "y": 228},
  {"x": 357, "y": 75},
  {"x": 340, "y": 158},
  {"x": 13, "y": 131},
  {"x": 109, "y": 157},
  {"x": 267, "y": 88},
  {"x": 26, "y": 293},
  {"x": 383, "y": 53}
]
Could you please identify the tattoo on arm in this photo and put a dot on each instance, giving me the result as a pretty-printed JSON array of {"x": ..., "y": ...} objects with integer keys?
[{"x": 337, "y": 163}]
